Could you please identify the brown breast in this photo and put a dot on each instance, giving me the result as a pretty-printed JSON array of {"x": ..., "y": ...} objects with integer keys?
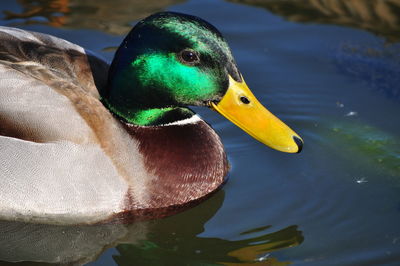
[{"x": 188, "y": 163}]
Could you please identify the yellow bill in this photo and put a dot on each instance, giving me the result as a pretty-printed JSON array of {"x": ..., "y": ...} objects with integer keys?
[{"x": 241, "y": 107}]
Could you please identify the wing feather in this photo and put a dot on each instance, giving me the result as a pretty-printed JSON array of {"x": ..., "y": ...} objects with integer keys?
[{"x": 52, "y": 168}]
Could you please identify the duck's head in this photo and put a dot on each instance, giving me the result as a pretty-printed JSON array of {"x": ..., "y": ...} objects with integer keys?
[{"x": 170, "y": 61}]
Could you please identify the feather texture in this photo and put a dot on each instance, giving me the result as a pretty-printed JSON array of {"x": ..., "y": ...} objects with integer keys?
[{"x": 65, "y": 159}]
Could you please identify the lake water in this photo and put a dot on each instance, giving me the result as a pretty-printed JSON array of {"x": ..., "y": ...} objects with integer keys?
[{"x": 330, "y": 70}]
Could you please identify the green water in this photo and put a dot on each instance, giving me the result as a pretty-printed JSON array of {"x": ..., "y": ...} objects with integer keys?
[{"x": 328, "y": 69}]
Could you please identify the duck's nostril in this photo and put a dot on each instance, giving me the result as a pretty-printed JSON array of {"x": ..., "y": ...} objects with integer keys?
[
  {"x": 244, "y": 100},
  {"x": 299, "y": 143}
]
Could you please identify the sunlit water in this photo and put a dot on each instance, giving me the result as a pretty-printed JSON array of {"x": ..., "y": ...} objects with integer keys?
[{"x": 336, "y": 203}]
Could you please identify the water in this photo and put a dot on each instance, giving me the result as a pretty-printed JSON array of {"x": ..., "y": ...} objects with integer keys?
[{"x": 334, "y": 82}]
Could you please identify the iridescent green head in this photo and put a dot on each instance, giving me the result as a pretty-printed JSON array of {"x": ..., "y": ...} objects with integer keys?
[
  {"x": 170, "y": 61},
  {"x": 167, "y": 62}
]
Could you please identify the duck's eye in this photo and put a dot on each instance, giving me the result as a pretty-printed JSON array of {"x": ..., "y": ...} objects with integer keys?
[
  {"x": 244, "y": 99},
  {"x": 189, "y": 57}
]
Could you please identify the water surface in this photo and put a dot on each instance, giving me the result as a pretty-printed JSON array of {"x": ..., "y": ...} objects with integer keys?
[{"x": 329, "y": 69}]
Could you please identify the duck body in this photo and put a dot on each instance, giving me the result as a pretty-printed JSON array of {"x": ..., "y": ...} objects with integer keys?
[
  {"x": 66, "y": 159},
  {"x": 82, "y": 142}
]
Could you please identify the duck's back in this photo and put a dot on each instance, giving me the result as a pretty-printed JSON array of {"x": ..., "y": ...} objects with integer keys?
[
  {"x": 58, "y": 144},
  {"x": 38, "y": 71}
]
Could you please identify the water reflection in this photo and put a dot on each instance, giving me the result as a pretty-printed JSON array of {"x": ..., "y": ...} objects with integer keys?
[
  {"x": 378, "y": 66},
  {"x": 173, "y": 239},
  {"x": 182, "y": 250},
  {"x": 108, "y": 16},
  {"x": 60, "y": 244},
  {"x": 378, "y": 16},
  {"x": 370, "y": 148}
]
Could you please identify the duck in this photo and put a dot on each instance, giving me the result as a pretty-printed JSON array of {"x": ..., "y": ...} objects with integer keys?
[{"x": 85, "y": 142}]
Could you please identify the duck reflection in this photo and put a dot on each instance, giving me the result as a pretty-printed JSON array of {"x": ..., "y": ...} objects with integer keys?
[
  {"x": 380, "y": 17},
  {"x": 172, "y": 239}
]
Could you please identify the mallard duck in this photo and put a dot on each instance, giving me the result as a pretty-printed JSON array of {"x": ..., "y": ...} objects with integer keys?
[{"x": 82, "y": 142}]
